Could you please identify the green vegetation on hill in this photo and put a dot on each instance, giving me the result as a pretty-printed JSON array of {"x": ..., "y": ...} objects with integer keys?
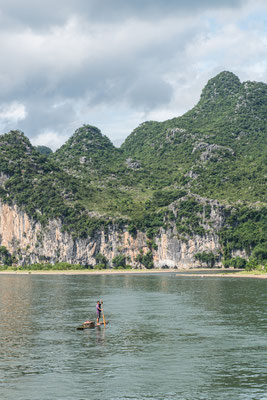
[
  {"x": 216, "y": 151},
  {"x": 44, "y": 150},
  {"x": 39, "y": 186},
  {"x": 89, "y": 153},
  {"x": 5, "y": 257},
  {"x": 245, "y": 229}
]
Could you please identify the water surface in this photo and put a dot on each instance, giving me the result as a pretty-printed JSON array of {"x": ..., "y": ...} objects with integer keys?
[{"x": 169, "y": 337}]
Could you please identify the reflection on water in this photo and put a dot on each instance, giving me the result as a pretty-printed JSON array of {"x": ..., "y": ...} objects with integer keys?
[{"x": 168, "y": 338}]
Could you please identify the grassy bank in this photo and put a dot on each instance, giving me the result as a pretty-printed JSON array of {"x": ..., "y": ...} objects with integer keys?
[
  {"x": 253, "y": 272},
  {"x": 71, "y": 269},
  {"x": 83, "y": 271},
  {"x": 62, "y": 266}
]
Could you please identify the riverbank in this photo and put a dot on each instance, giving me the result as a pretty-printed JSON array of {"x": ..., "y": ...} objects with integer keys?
[
  {"x": 87, "y": 272},
  {"x": 236, "y": 274},
  {"x": 218, "y": 272}
]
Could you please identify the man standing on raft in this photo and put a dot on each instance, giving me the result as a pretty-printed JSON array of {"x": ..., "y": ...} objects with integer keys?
[{"x": 98, "y": 312}]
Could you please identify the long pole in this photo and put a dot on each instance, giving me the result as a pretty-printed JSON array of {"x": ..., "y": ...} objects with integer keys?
[{"x": 104, "y": 321}]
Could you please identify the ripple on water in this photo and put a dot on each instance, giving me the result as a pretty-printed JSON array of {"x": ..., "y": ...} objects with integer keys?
[{"x": 168, "y": 338}]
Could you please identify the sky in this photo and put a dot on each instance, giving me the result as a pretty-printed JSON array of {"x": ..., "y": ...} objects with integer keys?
[{"x": 117, "y": 63}]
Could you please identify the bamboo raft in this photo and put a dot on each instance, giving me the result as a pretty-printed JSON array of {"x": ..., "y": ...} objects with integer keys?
[{"x": 90, "y": 325}]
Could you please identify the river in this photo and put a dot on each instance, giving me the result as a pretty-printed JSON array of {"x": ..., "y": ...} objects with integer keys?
[{"x": 168, "y": 337}]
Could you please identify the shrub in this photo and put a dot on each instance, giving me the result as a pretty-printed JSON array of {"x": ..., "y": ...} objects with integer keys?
[
  {"x": 235, "y": 262},
  {"x": 207, "y": 258},
  {"x": 119, "y": 261},
  {"x": 100, "y": 266},
  {"x": 5, "y": 257},
  {"x": 145, "y": 259},
  {"x": 101, "y": 259}
]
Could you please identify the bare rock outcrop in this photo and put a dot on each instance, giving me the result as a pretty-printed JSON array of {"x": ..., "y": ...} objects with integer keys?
[
  {"x": 209, "y": 151},
  {"x": 30, "y": 242}
]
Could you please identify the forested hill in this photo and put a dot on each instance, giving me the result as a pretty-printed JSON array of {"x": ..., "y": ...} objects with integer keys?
[
  {"x": 89, "y": 153},
  {"x": 219, "y": 147},
  {"x": 216, "y": 151}
]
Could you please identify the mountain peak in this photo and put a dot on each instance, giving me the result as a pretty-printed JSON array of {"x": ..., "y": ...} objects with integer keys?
[
  {"x": 89, "y": 137},
  {"x": 15, "y": 139},
  {"x": 85, "y": 141},
  {"x": 222, "y": 85},
  {"x": 87, "y": 149},
  {"x": 16, "y": 136}
]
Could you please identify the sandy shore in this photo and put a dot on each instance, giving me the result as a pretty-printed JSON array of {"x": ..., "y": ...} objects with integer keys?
[
  {"x": 203, "y": 273},
  {"x": 90, "y": 272},
  {"x": 228, "y": 275}
]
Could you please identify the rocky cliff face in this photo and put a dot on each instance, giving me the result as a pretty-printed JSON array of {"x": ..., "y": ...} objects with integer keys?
[{"x": 30, "y": 242}]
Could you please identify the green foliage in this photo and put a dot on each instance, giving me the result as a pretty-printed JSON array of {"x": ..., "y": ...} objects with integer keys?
[
  {"x": 209, "y": 259},
  {"x": 162, "y": 198},
  {"x": 44, "y": 150},
  {"x": 259, "y": 252},
  {"x": 127, "y": 266},
  {"x": 38, "y": 185},
  {"x": 119, "y": 261},
  {"x": 235, "y": 262},
  {"x": 5, "y": 257},
  {"x": 254, "y": 264},
  {"x": 132, "y": 230},
  {"x": 189, "y": 217},
  {"x": 100, "y": 266},
  {"x": 101, "y": 260},
  {"x": 146, "y": 260},
  {"x": 59, "y": 266},
  {"x": 152, "y": 245},
  {"x": 245, "y": 229},
  {"x": 148, "y": 221},
  {"x": 89, "y": 152},
  {"x": 218, "y": 148}
]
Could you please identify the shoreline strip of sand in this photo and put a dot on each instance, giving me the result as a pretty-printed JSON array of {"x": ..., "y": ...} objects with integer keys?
[
  {"x": 226, "y": 275},
  {"x": 86, "y": 272},
  {"x": 179, "y": 273}
]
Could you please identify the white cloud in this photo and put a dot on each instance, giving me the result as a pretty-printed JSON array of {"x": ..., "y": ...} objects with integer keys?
[
  {"x": 11, "y": 114},
  {"x": 50, "y": 139},
  {"x": 232, "y": 48},
  {"x": 149, "y": 60}
]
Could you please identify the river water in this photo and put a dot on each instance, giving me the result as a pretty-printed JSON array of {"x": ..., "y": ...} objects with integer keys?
[{"x": 168, "y": 337}]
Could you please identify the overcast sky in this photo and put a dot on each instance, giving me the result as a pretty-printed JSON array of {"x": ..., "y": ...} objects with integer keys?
[{"x": 117, "y": 63}]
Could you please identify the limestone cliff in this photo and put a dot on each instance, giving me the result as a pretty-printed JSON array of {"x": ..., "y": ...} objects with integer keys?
[{"x": 30, "y": 242}]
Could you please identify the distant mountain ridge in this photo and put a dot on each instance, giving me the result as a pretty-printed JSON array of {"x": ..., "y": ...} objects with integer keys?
[{"x": 176, "y": 176}]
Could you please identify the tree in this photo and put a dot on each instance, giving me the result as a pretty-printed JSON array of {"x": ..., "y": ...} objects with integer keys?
[
  {"x": 119, "y": 261},
  {"x": 207, "y": 258},
  {"x": 5, "y": 256},
  {"x": 101, "y": 259}
]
